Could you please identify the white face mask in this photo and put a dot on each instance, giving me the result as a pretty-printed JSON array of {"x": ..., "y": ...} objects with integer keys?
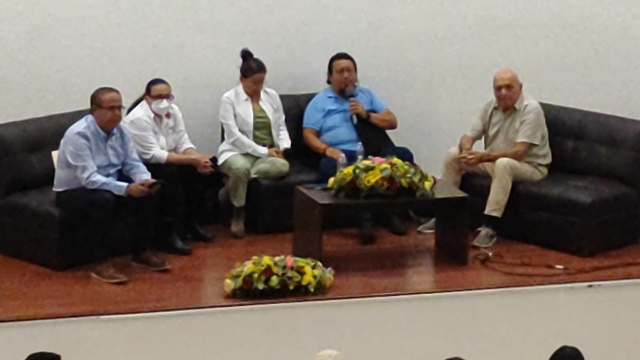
[{"x": 161, "y": 107}]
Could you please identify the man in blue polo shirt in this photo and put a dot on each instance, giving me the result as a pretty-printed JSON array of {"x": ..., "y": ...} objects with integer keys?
[{"x": 329, "y": 127}]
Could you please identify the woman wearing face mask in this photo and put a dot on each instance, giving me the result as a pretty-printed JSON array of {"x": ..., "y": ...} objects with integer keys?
[
  {"x": 255, "y": 135},
  {"x": 158, "y": 132}
]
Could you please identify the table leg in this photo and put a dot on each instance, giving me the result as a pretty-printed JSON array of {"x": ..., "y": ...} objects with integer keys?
[
  {"x": 307, "y": 227},
  {"x": 452, "y": 230}
]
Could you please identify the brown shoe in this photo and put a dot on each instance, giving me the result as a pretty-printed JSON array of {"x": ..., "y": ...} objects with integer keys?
[
  {"x": 109, "y": 274},
  {"x": 151, "y": 260}
]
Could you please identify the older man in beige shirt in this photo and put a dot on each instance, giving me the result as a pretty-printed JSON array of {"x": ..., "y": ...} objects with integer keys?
[{"x": 516, "y": 144}]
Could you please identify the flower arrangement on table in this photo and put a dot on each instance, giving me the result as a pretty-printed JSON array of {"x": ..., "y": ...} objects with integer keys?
[
  {"x": 380, "y": 176},
  {"x": 277, "y": 276}
]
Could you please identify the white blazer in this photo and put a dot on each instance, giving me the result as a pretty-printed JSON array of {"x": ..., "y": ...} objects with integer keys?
[
  {"x": 154, "y": 138},
  {"x": 236, "y": 116}
]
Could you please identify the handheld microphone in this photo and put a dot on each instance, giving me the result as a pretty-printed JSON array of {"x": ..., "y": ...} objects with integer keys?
[{"x": 350, "y": 93}]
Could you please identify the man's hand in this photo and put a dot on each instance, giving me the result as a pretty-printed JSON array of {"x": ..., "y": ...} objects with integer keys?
[
  {"x": 356, "y": 108},
  {"x": 275, "y": 152},
  {"x": 139, "y": 189},
  {"x": 333, "y": 153},
  {"x": 471, "y": 157}
]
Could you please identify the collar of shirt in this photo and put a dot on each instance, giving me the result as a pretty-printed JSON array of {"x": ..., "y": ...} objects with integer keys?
[
  {"x": 265, "y": 97},
  {"x": 241, "y": 95},
  {"x": 332, "y": 94},
  {"x": 98, "y": 131}
]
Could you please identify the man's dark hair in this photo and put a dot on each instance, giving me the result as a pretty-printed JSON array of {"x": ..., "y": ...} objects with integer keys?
[
  {"x": 250, "y": 65},
  {"x": 567, "y": 353},
  {"x": 44, "y": 356},
  {"x": 336, "y": 57},
  {"x": 96, "y": 96}
]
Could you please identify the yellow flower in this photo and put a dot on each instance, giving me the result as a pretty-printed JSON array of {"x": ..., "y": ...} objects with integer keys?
[
  {"x": 308, "y": 276},
  {"x": 330, "y": 184},
  {"x": 249, "y": 269},
  {"x": 266, "y": 261},
  {"x": 228, "y": 286},
  {"x": 429, "y": 182}
]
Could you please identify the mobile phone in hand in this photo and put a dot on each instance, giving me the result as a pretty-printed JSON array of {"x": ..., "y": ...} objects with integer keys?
[{"x": 153, "y": 188}]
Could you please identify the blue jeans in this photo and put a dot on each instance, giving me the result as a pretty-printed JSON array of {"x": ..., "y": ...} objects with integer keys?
[{"x": 329, "y": 166}]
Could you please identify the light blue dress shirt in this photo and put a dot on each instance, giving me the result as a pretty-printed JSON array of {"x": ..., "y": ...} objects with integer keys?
[
  {"x": 328, "y": 114},
  {"x": 90, "y": 158}
]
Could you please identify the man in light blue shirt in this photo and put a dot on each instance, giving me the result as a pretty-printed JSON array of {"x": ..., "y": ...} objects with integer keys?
[
  {"x": 328, "y": 114},
  {"x": 101, "y": 181},
  {"x": 329, "y": 128}
]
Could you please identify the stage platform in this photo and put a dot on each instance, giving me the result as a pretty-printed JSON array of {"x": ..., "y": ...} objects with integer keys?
[{"x": 392, "y": 266}]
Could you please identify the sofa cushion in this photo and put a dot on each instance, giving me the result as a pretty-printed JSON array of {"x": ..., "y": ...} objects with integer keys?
[
  {"x": 25, "y": 150},
  {"x": 35, "y": 207},
  {"x": 294, "y": 106},
  {"x": 578, "y": 196},
  {"x": 589, "y": 143}
]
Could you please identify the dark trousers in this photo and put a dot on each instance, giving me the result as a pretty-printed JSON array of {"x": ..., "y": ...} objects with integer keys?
[
  {"x": 329, "y": 166},
  {"x": 101, "y": 211},
  {"x": 181, "y": 197}
]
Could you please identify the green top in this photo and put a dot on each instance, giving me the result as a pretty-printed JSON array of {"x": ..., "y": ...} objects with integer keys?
[{"x": 262, "y": 134}]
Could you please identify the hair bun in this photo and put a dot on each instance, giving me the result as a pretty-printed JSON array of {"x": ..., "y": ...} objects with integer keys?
[{"x": 246, "y": 54}]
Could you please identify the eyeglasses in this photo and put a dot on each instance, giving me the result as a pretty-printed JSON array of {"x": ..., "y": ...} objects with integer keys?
[
  {"x": 112, "y": 108},
  {"x": 162, "y": 97}
]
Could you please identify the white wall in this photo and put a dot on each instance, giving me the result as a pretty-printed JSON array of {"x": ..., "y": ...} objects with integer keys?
[
  {"x": 431, "y": 61},
  {"x": 524, "y": 324}
]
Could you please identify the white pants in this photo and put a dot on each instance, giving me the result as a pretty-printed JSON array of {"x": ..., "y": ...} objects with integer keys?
[{"x": 503, "y": 172}]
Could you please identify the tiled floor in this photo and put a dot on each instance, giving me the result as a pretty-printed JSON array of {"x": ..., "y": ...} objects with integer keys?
[{"x": 394, "y": 265}]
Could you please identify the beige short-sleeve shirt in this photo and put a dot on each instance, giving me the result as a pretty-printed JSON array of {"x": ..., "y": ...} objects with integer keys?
[{"x": 524, "y": 123}]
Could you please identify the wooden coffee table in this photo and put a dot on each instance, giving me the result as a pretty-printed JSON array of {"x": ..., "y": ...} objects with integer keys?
[{"x": 450, "y": 205}]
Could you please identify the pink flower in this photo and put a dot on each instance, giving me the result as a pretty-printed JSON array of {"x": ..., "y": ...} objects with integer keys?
[
  {"x": 378, "y": 160},
  {"x": 289, "y": 261}
]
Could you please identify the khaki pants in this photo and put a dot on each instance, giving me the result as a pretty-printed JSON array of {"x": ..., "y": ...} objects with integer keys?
[
  {"x": 503, "y": 172},
  {"x": 241, "y": 168}
]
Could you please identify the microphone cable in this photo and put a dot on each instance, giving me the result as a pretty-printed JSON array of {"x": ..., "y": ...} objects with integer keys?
[{"x": 500, "y": 263}]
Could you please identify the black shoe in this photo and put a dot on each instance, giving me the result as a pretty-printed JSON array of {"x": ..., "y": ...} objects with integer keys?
[
  {"x": 173, "y": 245},
  {"x": 394, "y": 224},
  {"x": 366, "y": 230},
  {"x": 197, "y": 234}
]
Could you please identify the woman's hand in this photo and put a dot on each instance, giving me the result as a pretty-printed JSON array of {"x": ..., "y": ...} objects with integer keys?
[{"x": 275, "y": 152}]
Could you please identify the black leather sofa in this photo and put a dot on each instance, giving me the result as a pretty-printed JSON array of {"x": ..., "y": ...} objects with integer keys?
[
  {"x": 590, "y": 202},
  {"x": 32, "y": 228}
]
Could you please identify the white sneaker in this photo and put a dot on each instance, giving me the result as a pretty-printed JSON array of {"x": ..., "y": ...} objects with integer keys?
[
  {"x": 486, "y": 238},
  {"x": 428, "y": 227}
]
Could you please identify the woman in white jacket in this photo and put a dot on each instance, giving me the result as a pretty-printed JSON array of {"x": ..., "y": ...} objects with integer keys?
[
  {"x": 157, "y": 129},
  {"x": 255, "y": 135}
]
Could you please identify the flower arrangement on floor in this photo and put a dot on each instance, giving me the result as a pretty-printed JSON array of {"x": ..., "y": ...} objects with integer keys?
[
  {"x": 380, "y": 176},
  {"x": 277, "y": 276}
]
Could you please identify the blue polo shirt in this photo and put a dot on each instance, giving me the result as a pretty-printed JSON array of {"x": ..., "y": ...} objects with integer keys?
[{"x": 328, "y": 114}]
